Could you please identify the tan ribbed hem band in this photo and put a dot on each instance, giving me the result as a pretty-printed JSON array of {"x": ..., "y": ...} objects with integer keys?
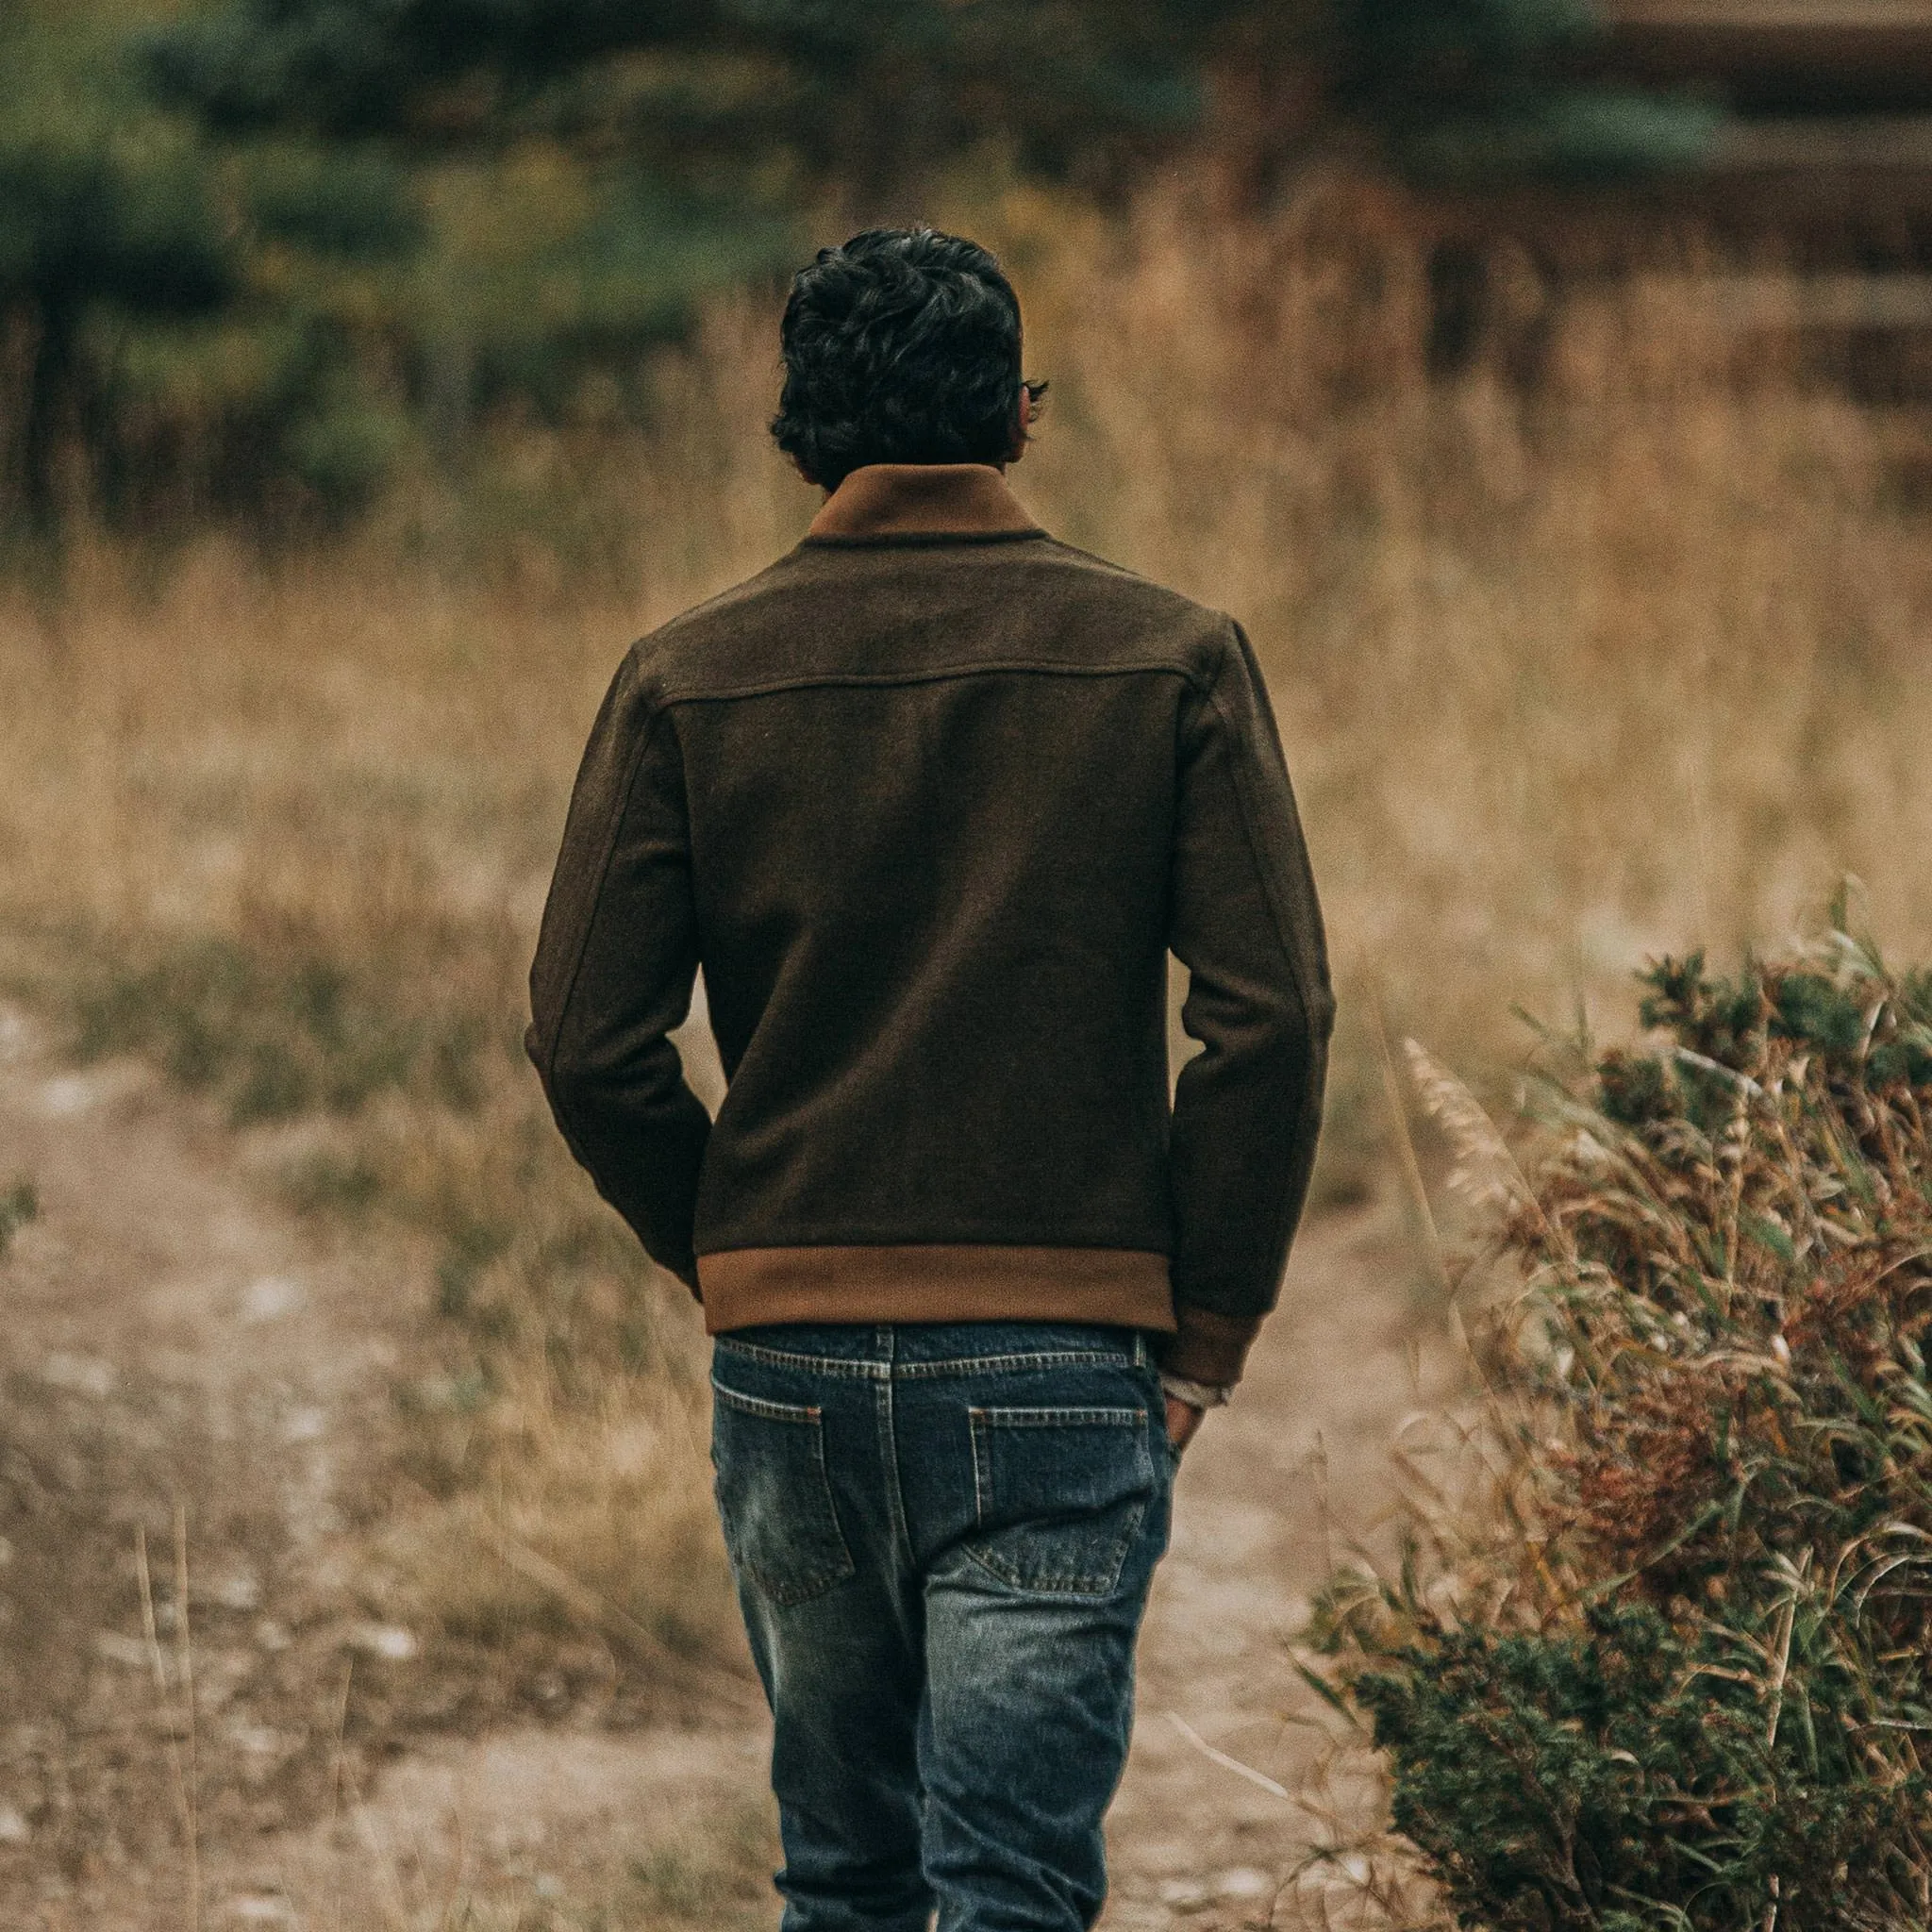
[{"x": 745, "y": 1288}]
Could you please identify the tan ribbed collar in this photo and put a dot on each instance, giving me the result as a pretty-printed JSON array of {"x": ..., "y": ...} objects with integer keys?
[{"x": 921, "y": 500}]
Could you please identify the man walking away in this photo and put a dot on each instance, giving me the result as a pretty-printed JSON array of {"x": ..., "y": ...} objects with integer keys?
[{"x": 930, "y": 800}]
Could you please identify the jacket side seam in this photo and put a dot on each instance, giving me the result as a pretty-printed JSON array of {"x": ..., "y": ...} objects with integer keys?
[
  {"x": 563, "y": 1113},
  {"x": 583, "y": 945},
  {"x": 1243, "y": 804}
]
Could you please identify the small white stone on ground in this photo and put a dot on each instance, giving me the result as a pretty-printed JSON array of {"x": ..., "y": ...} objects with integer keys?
[
  {"x": 258, "y": 1908},
  {"x": 271, "y": 1298},
  {"x": 388, "y": 1641},
  {"x": 66, "y": 1094},
  {"x": 238, "y": 1590},
  {"x": 80, "y": 1374},
  {"x": 1244, "y": 1881}
]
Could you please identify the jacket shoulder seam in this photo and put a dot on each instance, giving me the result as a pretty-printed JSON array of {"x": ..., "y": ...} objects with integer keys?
[
  {"x": 1166, "y": 593},
  {"x": 646, "y": 647},
  {"x": 937, "y": 674},
  {"x": 1118, "y": 570}
]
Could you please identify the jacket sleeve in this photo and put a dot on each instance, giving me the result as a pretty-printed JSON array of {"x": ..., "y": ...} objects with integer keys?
[
  {"x": 1248, "y": 1107},
  {"x": 615, "y": 964}
]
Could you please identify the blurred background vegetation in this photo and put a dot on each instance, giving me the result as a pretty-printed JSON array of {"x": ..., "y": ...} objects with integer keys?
[
  {"x": 261, "y": 260},
  {"x": 1546, "y": 387},
  {"x": 1537, "y": 385}
]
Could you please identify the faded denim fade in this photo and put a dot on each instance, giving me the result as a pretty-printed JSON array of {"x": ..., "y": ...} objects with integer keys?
[{"x": 942, "y": 1537}]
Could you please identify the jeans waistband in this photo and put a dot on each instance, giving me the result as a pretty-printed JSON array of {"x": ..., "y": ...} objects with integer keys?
[{"x": 925, "y": 1348}]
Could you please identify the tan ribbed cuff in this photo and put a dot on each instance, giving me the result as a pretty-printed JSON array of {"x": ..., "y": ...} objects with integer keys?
[{"x": 1206, "y": 1348}]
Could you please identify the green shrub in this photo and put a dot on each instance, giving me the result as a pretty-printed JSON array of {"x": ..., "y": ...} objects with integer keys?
[{"x": 1681, "y": 1675}]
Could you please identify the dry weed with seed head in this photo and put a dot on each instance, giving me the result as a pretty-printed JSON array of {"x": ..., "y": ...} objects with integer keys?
[{"x": 1680, "y": 1671}]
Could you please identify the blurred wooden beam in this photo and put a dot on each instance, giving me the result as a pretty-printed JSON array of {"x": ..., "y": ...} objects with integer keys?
[
  {"x": 1879, "y": 144},
  {"x": 1836, "y": 53}
]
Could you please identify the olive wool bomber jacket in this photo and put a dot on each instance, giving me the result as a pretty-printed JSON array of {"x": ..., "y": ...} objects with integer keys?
[{"x": 930, "y": 801}]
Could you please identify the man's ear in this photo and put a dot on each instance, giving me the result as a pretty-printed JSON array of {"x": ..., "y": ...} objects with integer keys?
[{"x": 1024, "y": 416}]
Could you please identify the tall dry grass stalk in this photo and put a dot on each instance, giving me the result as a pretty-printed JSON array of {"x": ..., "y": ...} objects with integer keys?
[{"x": 1565, "y": 677}]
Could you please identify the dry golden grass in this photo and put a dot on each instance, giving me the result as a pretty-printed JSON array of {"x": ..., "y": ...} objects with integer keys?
[
  {"x": 1565, "y": 679},
  {"x": 1623, "y": 666},
  {"x": 287, "y": 830}
]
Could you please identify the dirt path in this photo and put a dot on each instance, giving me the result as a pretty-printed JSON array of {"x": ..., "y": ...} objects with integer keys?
[
  {"x": 170, "y": 1336},
  {"x": 167, "y": 1342},
  {"x": 1292, "y": 1476}
]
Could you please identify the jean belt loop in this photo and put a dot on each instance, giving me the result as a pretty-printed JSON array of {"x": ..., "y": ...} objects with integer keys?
[{"x": 1140, "y": 1348}]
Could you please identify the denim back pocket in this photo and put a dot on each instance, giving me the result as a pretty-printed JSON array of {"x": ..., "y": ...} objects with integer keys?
[
  {"x": 1059, "y": 1494},
  {"x": 775, "y": 1496}
]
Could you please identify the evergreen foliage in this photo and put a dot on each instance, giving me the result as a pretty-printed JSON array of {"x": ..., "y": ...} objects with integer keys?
[
  {"x": 1685, "y": 1677},
  {"x": 103, "y": 219},
  {"x": 265, "y": 253},
  {"x": 658, "y": 153},
  {"x": 873, "y": 93},
  {"x": 1474, "y": 89},
  {"x": 197, "y": 328},
  {"x": 268, "y": 323}
]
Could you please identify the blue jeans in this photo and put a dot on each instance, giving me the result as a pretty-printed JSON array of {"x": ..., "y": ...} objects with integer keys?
[{"x": 942, "y": 1537}]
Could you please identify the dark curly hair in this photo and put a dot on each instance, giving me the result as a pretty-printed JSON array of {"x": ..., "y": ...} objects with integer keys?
[{"x": 902, "y": 347}]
